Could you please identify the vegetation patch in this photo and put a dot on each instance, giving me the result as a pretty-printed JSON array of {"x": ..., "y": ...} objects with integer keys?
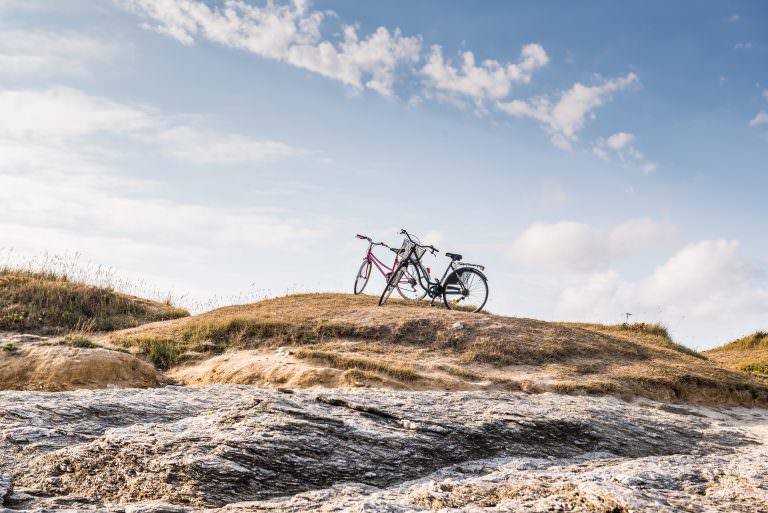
[
  {"x": 461, "y": 372},
  {"x": 163, "y": 353},
  {"x": 9, "y": 347},
  {"x": 49, "y": 302},
  {"x": 757, "y": 340},
  {"x": 338, "y": 361},
  {"x": 655, "y": 333},
  {"x": 79, "y": 340},
  {"x": 759, "y": 368}
]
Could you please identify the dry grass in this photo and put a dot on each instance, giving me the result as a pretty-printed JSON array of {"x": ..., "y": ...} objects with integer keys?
[
  {"x": 340, "y": 361},
  {"x": 757, "y": 340},
  {"x": 47, "y": 302},
  {"x": 654, "y": 333},
  {"x": 747, "y": 354},
  {"x": 351, "y": 332}
]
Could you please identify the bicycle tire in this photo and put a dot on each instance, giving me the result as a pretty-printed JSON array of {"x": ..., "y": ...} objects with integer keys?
[
  {"x": 391, "y": 283},
  {"x": 469, "y": 280},
  {"x": 364, "y": 267},
  {"x": 415, "y": 292}
]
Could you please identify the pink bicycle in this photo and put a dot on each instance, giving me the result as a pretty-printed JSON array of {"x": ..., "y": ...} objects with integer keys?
[{"x": 408, "y": 285}]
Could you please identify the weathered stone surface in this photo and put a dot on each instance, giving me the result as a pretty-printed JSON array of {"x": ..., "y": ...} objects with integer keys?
[{"x": 243, "y": 448}]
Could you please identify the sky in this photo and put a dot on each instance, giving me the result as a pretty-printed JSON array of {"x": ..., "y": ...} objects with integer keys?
[{"x": 599, "y": 158}]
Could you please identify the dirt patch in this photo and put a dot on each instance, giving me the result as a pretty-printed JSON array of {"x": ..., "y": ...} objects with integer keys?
[{"x": 59, "y": 367}]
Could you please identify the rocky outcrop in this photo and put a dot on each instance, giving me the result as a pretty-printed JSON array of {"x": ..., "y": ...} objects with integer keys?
[{"x": 246, "y": 448}]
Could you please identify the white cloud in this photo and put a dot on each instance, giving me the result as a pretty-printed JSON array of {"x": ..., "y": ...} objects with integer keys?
[
  {"x": 572, "y": 246},
  {"x": 706, "y": 280},
  {"x": 289, "y": 33},
  {"x": 199, "y": 147},
  {"x": 742, "y": 46},
  {"x": 761, "y": 118},
  {"x": 619, "y": 140},
  {"x": 64, "y": 112},
  {"x": 733, "y": 18},
  {"x": 61, "y": 114},
  {"x": 621, "y": 145},
  {"x": 490, "y": 80},
  {"x": 59, "y": 172},
  {"x": 565, "y": 118},
  {"x": 45, "y": 52},
  {"x": 92, "y": 209}
]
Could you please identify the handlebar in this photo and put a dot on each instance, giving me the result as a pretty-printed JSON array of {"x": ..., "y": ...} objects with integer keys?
[
  {"x": 430, "y": 247},
  {"x": 370, "y": 241}
]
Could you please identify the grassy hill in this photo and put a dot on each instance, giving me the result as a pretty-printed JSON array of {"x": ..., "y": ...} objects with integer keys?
[
  {"x": 45, "y": 302},
  {"x": 748, "y": 354},
  {"x": 345, "y": 340}
]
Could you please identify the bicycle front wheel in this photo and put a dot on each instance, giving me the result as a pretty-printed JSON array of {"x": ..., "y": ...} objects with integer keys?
[
  {"x": 465, "y": 289},
  {"x": 363, "y": 275},
  {"x": 408, "y": 286},
  {"x": 392, "y": 282}
]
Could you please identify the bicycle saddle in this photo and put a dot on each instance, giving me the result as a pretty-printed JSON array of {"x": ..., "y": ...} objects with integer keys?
[{"x": 454, "y": 256}]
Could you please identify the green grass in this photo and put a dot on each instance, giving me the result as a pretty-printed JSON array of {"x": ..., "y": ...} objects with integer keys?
[
  {"x": 163, "y": 353},
  {"x": 9, "y": 347},
  {"x": 759, "y": 368},
  {"x": 79, "y": 340},
  {"x": 50, "y": 302}
]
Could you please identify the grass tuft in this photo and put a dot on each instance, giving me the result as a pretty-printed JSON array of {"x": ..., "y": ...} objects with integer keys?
[
  {"x": 79, "y": 340},
  {"x": 9, "y": 347},
  {"x": 163, "y": 353},
  {"x": 338, "y": 361}
]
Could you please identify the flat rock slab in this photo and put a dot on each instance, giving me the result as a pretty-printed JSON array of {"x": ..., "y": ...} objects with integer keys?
[{"x": 245, "y": 448}]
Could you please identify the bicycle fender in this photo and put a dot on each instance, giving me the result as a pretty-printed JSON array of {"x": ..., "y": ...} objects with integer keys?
[{"x": 478, "y": 271}]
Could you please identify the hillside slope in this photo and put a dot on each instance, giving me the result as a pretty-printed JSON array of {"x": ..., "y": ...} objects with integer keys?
[
  {"x": 748, "y": 354},
  {"x": 344, "y": 340},
  {"x": 43, "y": 302}
]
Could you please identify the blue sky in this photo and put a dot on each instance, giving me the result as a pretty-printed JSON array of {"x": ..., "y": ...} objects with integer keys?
[{"x": 599, "y": 158}]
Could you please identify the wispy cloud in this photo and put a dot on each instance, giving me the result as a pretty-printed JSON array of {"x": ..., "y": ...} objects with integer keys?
[
  {"x": 59, "y": 115},
  {"x": 289, "y": 33},
  {"x": 490, "y": 80},
  {"x": 60, "y": 171},
  {"x": 38, "y": 52},
  {"x": 565, "y": 117},
  {"x": 296, "y": 34},
  {"x": 621, "y": 145},
  {"x": 761, "y": 118}
]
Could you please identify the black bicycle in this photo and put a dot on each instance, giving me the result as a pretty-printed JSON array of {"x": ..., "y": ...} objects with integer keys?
[{"x": 463, "y": 286}]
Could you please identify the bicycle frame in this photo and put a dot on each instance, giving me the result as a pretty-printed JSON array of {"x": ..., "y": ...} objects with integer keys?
[
  {"x": 434, "y": 288},
  {"x": 381, "y": 266}
]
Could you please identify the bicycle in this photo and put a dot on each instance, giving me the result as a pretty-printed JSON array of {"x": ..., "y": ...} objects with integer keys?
[
  {"x": 465, "y": 288},
  {"x": 407, "y": 285}
]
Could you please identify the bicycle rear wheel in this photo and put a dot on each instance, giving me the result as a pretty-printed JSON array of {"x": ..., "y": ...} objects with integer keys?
[
  {"x": 409, "y": 286},
  {"x": 392, "y": 282},
  {"x": 465, "y": 289},
  {"x": 363, "y": 275}
]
